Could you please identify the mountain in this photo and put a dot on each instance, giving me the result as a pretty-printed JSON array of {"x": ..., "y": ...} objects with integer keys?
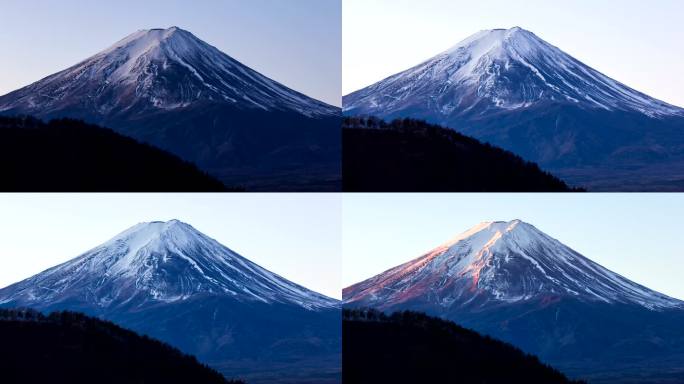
[
  {"x": 410, "y": 347},
  {"x": 160, "y": 262},
  {"x": 513, "y": 282},
  {"x": 171, "y": 89},
  {"x": 410, "y": 155},
  {"x": 169, "y": 281},
  {"x": 68, "y": 347},
  {"x": 516, "y": 91},
  {"x": 68, "y": 155},
  {"x": 502, "y": 263}
]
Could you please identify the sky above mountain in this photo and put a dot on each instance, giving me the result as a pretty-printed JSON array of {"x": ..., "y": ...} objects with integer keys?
[
  {"x": 633, "y": 235},
  {"x": 634, "y": 43},
  {"x": 295, "y": 236},
  {"x": 297, "y": 46}
]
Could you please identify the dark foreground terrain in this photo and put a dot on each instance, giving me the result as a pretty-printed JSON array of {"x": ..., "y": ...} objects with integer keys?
[
  {"x": 68, "y": 347},
  {"x": 71, "y": 156},
  {"x": 410, "y": 155},
  {"x": 410, "y": 347}
]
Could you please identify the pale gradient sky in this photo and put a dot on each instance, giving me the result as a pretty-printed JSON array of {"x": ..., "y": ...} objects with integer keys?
[
  {"x": 638, "y": 43},
  {"x": 636, "y": 235},
  {"x": 297, "y": 236},
  {"x": 296, "y": 42}
]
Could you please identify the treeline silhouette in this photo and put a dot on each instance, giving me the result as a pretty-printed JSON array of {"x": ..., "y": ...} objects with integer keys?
[
  {"x": 68, "y": 155},
  {"x": 409, "y": 155},
  {"x": 410, "y": 347},
  {"x": 69, "y": 347}
]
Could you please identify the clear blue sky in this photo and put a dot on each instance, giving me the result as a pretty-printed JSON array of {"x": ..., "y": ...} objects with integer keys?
[
  {"x": 295, "y": 235},
  {"x": 636, "y": 42},
  {"x": 636, "y": 235},
  {"x": 296, "y": 42}
]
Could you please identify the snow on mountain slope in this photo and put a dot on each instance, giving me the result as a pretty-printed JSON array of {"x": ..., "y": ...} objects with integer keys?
[
  {"x": 158, "y": 262},
  {"x": 501, "y": 263},
  {"x": 158, "y": 69},
  {"x": 499, "y": 70}
]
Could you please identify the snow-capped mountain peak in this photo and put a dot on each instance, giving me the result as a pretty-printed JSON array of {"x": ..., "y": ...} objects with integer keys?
[
  {"x": 486, "y": 229},
  {"x": 158, "y": 69},
  {"x": 495, "y": 70},
  {"x": 152, "y": 43},
  {"x": 146, "y": 238},
  {"x": 495, "y": 42},
  {"x": 502, "y": 262},
  {"x": 159, "y": 262}
]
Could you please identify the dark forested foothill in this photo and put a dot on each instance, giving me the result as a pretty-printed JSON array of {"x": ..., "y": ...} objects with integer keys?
[
  {"x": 69, "y": 155},
  {"x": 68, "y": 347},
  {"x": 410, "y": 347},
  {"x": 410, "y": 155}
]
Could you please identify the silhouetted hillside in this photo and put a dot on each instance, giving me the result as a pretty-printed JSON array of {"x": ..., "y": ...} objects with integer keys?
[
  {"x": 410, "y": 347},
  {"x": 68, "y": 347},
  {"x": 69, "y": 155},
  {"x": 410, "y": 155}
]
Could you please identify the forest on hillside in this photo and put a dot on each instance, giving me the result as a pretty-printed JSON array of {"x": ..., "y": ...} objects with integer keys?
[
  {"x": 411, "y": 347},
  {"x": 69, "y": 347},
  {"x": 409, "y": 155},
  {"x": 67, "y": 155}
]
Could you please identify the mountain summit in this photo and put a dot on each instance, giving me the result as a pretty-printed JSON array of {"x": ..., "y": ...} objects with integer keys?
[
  {"x": 158, "y": 262},
  {"x": 503, "y": 69},
  {"x": 501, "y": 263},
  {"x": 158, "y": 69}
]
